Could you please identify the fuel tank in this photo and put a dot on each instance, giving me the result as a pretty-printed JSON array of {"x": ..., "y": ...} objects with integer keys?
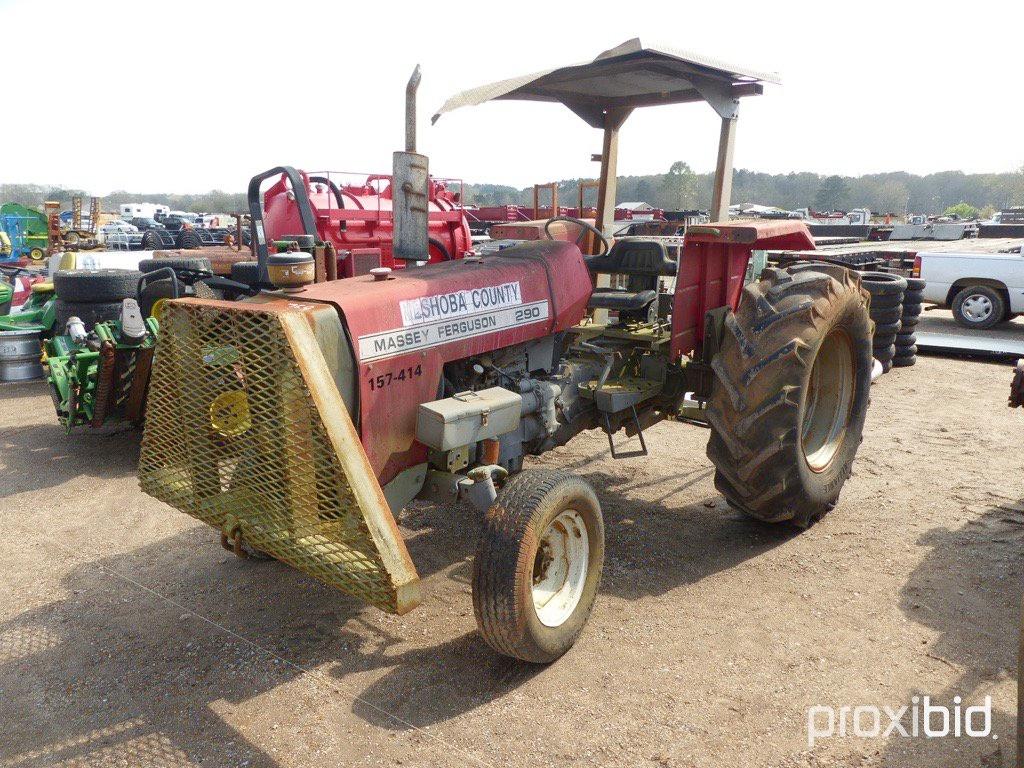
[
  {"x": 359, "y": 216},
  {"x": 405, "y": 328}
]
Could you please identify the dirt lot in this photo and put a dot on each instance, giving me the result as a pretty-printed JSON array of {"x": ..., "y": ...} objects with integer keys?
[{"x": 129, "y": 638}]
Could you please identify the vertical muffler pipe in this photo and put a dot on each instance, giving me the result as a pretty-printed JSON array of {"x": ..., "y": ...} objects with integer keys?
[{"x": 409, "y": 190}]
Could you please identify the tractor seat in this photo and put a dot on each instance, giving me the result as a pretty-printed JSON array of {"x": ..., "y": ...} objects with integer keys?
[
  {"x": 634, "y": 256},
  {"x": 621, "y": 301},
  {"x": 643, "y": 261}
]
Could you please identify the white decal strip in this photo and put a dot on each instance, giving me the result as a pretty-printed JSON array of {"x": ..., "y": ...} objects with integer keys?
[
  {"x": 400, "y": 341},
  {"x": 462, "y": 303}
]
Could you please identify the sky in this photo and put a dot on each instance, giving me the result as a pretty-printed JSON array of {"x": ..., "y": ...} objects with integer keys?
[{"x": 191, "y": 96}]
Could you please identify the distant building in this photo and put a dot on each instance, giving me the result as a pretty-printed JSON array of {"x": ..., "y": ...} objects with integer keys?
[{"x": 637, "y": 211}]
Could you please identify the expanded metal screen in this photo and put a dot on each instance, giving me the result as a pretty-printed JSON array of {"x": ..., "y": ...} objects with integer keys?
[{"x": 233, "y": 437}]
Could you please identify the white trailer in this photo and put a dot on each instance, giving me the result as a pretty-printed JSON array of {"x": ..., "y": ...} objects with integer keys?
[{"x": 143, "y": 210}]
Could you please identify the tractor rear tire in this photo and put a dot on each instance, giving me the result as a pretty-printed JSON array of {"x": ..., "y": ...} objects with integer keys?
[
  {"x": 791, "y": 393},
  {"x": 526, "y": 605},
  {"x": 96, "y": 284}
]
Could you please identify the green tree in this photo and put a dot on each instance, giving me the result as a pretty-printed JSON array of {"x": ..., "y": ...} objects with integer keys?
[
  {"x": 680, "y": 187},
  {"x": 962, "y": 211},
  {"x": 832, "y": 194},
  {"x": 891, "y": 197}
]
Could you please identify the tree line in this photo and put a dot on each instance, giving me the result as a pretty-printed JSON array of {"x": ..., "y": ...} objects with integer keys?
[
  {"x": 899, "y": 192},
  {"x": 679, "y": 188}
]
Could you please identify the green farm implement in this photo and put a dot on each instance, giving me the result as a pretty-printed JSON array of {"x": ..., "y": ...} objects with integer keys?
[{"x": 103, "y": 373}]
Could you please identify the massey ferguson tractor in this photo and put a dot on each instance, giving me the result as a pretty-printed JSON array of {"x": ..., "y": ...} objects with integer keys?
[{"x": 301, "y": 421}]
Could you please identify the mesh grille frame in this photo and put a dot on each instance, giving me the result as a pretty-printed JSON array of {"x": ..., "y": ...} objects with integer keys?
[{"x": 246, "y": 430}]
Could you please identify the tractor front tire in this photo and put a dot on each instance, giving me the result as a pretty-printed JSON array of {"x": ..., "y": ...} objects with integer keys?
[
  {"x": 538, "y": 565},
  {"x": 791, "y": 393}
]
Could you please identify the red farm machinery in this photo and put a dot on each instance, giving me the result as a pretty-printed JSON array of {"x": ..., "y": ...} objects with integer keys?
[
  {"x": 356, "y": 218},
  {"x": 301, "y": 421}
]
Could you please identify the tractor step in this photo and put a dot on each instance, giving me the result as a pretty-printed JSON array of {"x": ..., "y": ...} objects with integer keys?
[{"x": 639, "y": 433}]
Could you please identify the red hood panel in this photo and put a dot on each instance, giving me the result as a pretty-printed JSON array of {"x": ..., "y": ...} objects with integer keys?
[{"x": 403, "y": 330}]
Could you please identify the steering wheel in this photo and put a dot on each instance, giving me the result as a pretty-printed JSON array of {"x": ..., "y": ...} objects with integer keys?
[{"x": 584, "y": 228}]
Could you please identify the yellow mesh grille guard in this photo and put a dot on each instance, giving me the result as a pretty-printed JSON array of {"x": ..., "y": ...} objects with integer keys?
[{"x": 246, "y": 429}]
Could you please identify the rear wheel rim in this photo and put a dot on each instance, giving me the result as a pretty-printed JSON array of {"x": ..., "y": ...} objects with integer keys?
[
  {"x": 829, "y": 401},
  {"x": 560, "y": 568},
  {"x": 977, "y": 307}
]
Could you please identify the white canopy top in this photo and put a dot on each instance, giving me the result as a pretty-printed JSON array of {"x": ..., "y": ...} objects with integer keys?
[{"x": 627, "y": 76}]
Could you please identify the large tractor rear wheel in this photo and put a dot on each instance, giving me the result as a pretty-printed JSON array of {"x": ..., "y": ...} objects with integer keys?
[{"x": 791, "y": 393}]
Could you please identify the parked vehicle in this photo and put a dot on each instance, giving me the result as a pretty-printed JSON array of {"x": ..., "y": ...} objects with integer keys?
[
  {"x": 176, "y": 222},
  {"x": 982, "y": 289},
  {"x": 142, "y": 223},
  {"x": 117, "y": 232},
  {"x": 144, "y": 210}
]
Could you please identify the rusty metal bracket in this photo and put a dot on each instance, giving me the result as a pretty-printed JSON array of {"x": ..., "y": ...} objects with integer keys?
[{"x": 104, "y": 384}]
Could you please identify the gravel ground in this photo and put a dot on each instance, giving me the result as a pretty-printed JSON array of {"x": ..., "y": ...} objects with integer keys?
[{"x": 128, "y": 637}]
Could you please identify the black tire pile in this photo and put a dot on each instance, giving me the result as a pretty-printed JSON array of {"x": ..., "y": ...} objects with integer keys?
[
  {"x": 906, "y": 339},
  {"x": 887, "y": 311},
  {"x": 92, "y": 295}
]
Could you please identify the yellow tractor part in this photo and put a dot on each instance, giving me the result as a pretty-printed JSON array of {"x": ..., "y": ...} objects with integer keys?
[{"x": 247, "y": 431}]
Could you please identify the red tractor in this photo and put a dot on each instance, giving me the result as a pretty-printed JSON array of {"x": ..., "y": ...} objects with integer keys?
[{"x": 300, "y": 422}]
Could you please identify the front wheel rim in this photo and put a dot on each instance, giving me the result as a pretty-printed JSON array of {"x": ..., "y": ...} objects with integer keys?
[
  {"x": 560, "y": 568},
  {"x": 977, "y": 308},
  {"x": 829, "y": 401}
]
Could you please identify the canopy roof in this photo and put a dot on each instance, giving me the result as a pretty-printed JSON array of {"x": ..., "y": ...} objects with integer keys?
[{"x": 622, "y": 78}]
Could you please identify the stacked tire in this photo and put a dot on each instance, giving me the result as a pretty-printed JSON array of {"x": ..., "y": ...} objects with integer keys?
[
  {"x": 906, "y": 339},
  {"x": 886, "y": 311},
  {"x": 92, "y": 295}
]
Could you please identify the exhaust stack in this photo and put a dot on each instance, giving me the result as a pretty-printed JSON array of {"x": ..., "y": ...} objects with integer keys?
[{"x": 409, "y": 187}]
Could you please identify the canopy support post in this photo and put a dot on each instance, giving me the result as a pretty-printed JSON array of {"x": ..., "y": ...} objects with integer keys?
[
  {"x": 607, "y": 183},
  {"x": 723, "y": 170}
]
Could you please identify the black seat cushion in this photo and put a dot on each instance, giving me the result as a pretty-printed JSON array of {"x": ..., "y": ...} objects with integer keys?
[
  {"x": 634, "y": 256},
  {"x": 621, "y": 301}
]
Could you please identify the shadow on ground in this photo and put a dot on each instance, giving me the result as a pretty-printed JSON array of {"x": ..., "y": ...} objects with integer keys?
[
  {"x": 39, "y": 456},
  {"x": 968, "y": 590},
  {"x": 119, "y": 673},
  {"x": 645, "y": 554}
]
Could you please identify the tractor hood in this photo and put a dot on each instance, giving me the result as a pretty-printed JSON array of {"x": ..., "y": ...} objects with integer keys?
[{"x": 404, "y": 329}]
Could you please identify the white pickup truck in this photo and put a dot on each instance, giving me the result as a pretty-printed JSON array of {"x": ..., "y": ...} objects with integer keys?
[{"x": 982, "y": 289}]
